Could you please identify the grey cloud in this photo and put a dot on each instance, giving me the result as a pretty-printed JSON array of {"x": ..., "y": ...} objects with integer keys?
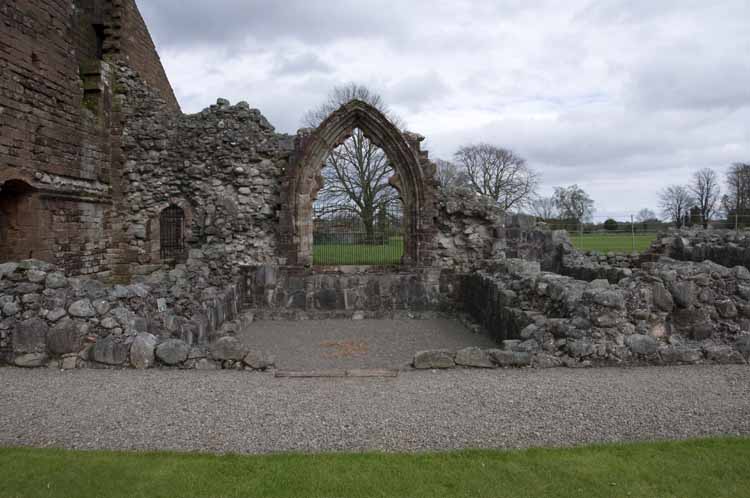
[
  {"x": 689, "y": 80},
  {"x": 200, "y": 22},
  {"x": 415, "y": 92},
  {"x": 641, "y": 91},
  {"x": 302, "y": 64}
]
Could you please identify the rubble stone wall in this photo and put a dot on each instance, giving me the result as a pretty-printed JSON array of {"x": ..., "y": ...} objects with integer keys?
[
  {"x": 167, "y": 318},
  {"x": 665, "y": 312},
  {"x": 346, "y": 292},
  {"x": 725, "y": 247}
]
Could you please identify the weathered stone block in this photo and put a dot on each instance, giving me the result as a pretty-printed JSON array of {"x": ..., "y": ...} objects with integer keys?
[
  {"x": 142, "y": 351},
  {"x": 434, "y": 359},
  {"x": 473, "y": 357},
  {"x": 82, "y": 309},
  {"x": 724, "y": 355},
  {"x": 110, "y": 351},
  {"x": 64, "y": 337},
  {"x": 641, "y": 344},
  {"x": 31, "y": 360},
  {"x": 228, "y": 348},
  {"x": 172, "y": 351},
  {"x": 30, "y": 336}
]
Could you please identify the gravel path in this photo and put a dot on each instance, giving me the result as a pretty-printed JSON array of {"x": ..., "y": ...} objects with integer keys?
[
  {"x": 228, "y": 411},
  {"x": 324, "y": 344}
]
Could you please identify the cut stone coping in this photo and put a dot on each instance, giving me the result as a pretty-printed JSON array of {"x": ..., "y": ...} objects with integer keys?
[{"x": 337, "y": 373}]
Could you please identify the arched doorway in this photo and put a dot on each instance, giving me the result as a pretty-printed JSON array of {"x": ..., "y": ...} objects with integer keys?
[
  {"x": 414, "y": 181},
  {"x": 20, "y": 234}
]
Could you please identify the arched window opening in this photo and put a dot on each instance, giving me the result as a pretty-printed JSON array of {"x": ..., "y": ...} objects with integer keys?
[
  {"x": 357, "y": 213},
  {"x": 172, "y": 234}
]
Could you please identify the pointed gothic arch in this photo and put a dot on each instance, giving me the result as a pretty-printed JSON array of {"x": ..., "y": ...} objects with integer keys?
[{"x": 414, "y": 179}]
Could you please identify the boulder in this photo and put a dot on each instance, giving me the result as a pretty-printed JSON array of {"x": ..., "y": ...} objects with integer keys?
[
  {"x": 607, "y": 298},
  {"x": 64, "y": 337},
  {"x": 502, "y": 358},
  {"x": 679, "y": 354},
  {"x": 473, "y": 357},
  {"x": 110, "y": 351},
  {"x": 726, "y": 309},
  {"x": 82, "y": 309},
  {"x": 529, "y": 346},
  {"x": 55, "y": 314},
  {"x": 580, "y": 348},
  {"x": 257, "y": 360},
  {"x": 56, "y": 280},
  {"x": 683, "y": 293},
  {"x": 30, "y": 336},
  {"x": 641, "y": 344},
  {"x": 172, "y": 351},
  {"x": 31, "y": 360},
  {"x": 142, "y": 351},
  {"x": 7, "y": 268},
  {"x": 434, "y": 359},
  {"x": 661, "y": 298},
  {"x": 36, "y": 276},
  {"x": 725, "y": 355},
  {"x": 228, "y": 348}
]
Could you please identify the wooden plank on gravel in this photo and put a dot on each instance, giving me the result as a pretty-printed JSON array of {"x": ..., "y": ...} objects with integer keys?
[
  {"x": 356, "y": 372},
  {"x": 371, "y": 372},
  {"x": 309, "y": 374}
]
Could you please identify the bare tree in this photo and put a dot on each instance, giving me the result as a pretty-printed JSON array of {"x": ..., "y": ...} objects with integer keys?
[
  {"x": 354, "y": 178},
  {"x": 706, "y": 191},
  {"x": 342, "y": 95},
  {"x": 449, "y": 175},
  {"x": 736, "y": 201},
  {"x": 675, "y": 202},
  {"x": 645, "y": 215},
  {"x": 573, "y": 203},
  {"x": 499, "y": 174},
  {"x": 544, "y": 208}
]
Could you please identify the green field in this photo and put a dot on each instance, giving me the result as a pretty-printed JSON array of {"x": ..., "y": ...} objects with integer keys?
[
  {"x": 359, "y": 254},
  {"x": 699, "y": 468},
  {"x": 614, "y": 242}
]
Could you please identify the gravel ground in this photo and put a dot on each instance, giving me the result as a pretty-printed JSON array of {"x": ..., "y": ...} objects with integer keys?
[
  {"x": 325, "y": 344},
  {"x": 229, "y": 411}
]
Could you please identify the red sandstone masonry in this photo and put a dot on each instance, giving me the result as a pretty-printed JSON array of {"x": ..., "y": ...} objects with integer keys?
[{"x": 56, "y": 129}]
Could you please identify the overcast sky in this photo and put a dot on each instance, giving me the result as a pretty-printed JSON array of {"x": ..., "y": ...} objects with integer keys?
[{"x": 622, "y": 97}]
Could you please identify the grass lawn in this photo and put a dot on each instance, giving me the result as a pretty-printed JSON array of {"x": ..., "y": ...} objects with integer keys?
[
  {"x": 615, "y": 242},
  {"x": 359, "y": 254},
  {"x": 699, "y": 468}
]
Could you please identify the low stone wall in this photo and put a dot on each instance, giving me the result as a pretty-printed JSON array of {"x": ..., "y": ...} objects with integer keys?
[
  {"x": 168, "y": 317},
  {"x": 337, "y": 292},
  {"x": 592, "y": 266},
  {"x": 725, "y": 247},
  {"x": 666, "y": 312}
]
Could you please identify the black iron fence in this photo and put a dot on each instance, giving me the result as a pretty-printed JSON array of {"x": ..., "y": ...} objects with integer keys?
[{"x": 344, "y": 234}]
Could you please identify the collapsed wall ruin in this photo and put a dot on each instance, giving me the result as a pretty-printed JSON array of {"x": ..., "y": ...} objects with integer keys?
[{"x": 134, "y": 235}]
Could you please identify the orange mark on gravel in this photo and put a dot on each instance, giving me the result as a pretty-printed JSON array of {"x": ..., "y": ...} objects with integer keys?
[{"x": 344, "y": 349}]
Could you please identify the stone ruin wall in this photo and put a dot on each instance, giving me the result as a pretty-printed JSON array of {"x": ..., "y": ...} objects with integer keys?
[
  {"x": 106, "y": 150},
  {"x": 59, "y": 128}
]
